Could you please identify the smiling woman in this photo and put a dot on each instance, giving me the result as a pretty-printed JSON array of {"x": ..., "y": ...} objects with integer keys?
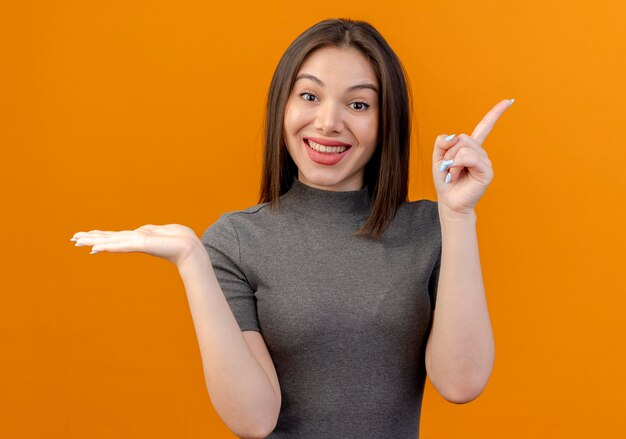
[
  {"x": 315, "y": 309},
  {"x": 340, "y": 81},
  {"x": 332, "y": 277}
]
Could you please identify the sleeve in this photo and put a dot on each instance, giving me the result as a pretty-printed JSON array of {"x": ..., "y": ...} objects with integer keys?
[
  {"x": 433, "y": 282},
  {"x": 222, "y": 243}
]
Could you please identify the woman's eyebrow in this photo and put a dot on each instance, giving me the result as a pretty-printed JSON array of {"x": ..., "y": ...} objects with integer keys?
[{"x": 319, "y": 81}]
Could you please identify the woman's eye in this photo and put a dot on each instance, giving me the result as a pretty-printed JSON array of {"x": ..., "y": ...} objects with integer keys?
[
  {"x": 305, "y": 94},
  {"x": 363, "y": 105}
]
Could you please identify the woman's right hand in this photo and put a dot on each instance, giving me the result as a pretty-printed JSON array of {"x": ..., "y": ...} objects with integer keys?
[{"x": 173, "y": 242}]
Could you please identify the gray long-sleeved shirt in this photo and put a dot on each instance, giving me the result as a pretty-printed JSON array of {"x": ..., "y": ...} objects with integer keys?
[{"x": 345, "y": 319}]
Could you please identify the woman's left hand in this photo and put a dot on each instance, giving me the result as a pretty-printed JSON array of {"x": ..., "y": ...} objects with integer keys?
[{"x": 470, "y": 172}]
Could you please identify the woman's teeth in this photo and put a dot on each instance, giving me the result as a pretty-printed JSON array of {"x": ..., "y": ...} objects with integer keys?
[{"x": 323, "y": 148}]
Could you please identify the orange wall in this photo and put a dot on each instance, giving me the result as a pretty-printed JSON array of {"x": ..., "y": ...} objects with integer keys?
[{"x": 115, "y": 114}]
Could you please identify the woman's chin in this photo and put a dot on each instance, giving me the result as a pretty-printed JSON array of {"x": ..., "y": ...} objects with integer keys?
[{"x": 325, "y": 181}]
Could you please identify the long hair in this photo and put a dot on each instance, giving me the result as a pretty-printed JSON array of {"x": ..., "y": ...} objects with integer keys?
[{"x": 386, "y": 174}]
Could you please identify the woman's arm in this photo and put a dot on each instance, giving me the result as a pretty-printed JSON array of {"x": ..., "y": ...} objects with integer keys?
[
  {"x": 240, "y": 377},
  {"x": 460, "y": 348},
  {"x": 240, "y": 389}
]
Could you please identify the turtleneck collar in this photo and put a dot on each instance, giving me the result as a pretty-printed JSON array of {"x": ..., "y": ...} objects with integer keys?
[{"x": 325, "y": 204}]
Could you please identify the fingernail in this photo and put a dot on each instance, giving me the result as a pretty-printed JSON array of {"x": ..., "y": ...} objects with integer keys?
[
  {"x": 445, "y": 165},
  {"x": 511, "y": 102},
  {"x": 79, "y": 245},
  {"x": 93, "y": 252},
  {"x": 448, "y": 177},
  {"x": 74, "y": 239},
  {"x": 450, "y": 137}
]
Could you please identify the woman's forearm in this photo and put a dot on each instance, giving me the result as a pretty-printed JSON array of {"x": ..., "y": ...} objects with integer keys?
[
  {"x": 460, "y": 348},
  {"x": 238, "y": 386}
]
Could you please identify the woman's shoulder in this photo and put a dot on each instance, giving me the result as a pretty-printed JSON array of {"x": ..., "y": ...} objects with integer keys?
[
  {"x": 424, "y": 203},
  {"x": 233, "y": 220},
  {"x": 252, "y": 211},
  {"x": 421, "y": 209}
]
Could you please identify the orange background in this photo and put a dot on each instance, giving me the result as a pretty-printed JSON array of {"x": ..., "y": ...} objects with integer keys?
[{"x": 115, "y": 114}]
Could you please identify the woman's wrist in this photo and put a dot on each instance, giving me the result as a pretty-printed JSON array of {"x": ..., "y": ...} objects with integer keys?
[
  {"x": 194, "y": 254},
  {"x": 449, "y": 215}
]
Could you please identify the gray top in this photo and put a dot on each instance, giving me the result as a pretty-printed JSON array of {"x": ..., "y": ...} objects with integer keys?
[{"x": 345, "y": 319}]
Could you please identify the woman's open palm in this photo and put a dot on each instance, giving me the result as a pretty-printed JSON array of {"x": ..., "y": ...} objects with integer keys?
[{"x": 173, "y": 242}]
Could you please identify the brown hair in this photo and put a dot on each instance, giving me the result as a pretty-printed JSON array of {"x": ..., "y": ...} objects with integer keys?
[{"x": 386, "y": 174}]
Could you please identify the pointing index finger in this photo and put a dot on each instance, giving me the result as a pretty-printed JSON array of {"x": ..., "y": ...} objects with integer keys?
[{"x": 485, "y": 126}]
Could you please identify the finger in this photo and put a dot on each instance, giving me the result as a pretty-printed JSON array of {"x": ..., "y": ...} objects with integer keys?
[
  {"x": 95, "y": 232},
  {"x": 109, "y": 233},
  {"x": 116, "y": 247},
  {"x": 485, "y": 126},
  {"x": 100, "y": 232},
  {"x": 461, "y": 162},
  {"x": 116, "y": 243},
  {"x": 468, "y": 160},
  {"x": 454, "y": 174},
  {"x": 467, "y": 142},
  {"x": 88, "y": 238},
  {"x": 442, "y": 145},
  {"x": 94, "y": 239},
  {"x": 79, "y": 234}
]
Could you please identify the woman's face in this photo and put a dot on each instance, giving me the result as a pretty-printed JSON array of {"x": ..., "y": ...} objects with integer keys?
[{"x": 334, "y": 102}]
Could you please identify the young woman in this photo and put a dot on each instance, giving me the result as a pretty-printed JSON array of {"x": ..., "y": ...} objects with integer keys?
[{"x": 315, "y": 309}]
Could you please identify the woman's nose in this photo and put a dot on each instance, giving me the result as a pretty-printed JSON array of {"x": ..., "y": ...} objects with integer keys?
[{"x": 329, "y": 118}]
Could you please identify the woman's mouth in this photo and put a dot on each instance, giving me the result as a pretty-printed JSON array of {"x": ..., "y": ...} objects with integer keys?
[
  {"x": 325, "y": 155},
  {"x": 325, "y": 149}
]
